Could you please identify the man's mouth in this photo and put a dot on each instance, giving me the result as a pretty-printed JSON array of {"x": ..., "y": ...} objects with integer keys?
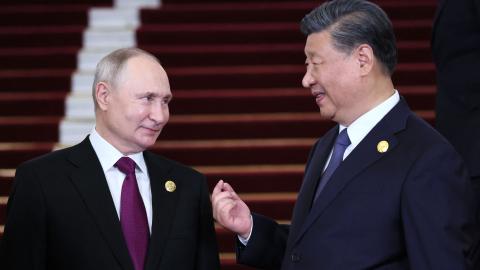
[
  {"x": 152, "y": 129},
  {"x": 318, "y": 96}
]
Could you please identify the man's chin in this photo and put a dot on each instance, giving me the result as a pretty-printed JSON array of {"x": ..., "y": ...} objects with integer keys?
[
  {"x": 325, "y": 115},
  {"x": 148, "y": 141}
]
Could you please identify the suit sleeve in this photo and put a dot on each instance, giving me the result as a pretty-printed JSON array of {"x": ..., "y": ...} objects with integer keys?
[
  {"x": 207, "y": 257},
  {"x": 437, "y": 212},
  {"x": 266, "y": 247},
  {"x": 24, "y": 239}
]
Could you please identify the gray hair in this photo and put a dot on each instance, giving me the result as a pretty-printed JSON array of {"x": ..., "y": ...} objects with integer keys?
[
  {"x": 355, "y": 22},
  {"x": 109, "y": 68}
]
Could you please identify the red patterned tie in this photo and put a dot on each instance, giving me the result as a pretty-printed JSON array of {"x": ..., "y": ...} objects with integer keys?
[{"x": 133, "y": 216}]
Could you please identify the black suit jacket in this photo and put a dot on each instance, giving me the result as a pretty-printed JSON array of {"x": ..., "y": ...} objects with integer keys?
[
  {"x": 408, "y": 208},
  {"x": 61, "y": 215},
  {"x": 456, "y": 53}
]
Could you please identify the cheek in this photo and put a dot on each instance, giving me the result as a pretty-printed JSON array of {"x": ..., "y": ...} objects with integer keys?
[
  {"x": 167, "y": 113},
  {"x": 137, "y": 112}
]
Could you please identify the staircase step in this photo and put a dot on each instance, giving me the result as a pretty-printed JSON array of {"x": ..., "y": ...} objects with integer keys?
[
  {"x": 228, "y": 12},
  {"x": 41, "y": 36},
  {"x": 13, "y": 154},
  {"x": 256, "y": 178},
  {"x": 36, "y": 80},
  {"x": 252, "y": 33},
  {"x": 228, "y": 262},
  {"x": 29, "y": 129},
  {"x": 25, "y": 15},
  {"x": 39, "y": 58},
  {"x": 28, "y": 104},
  {"x": 54, "y": 3},
  {"x": 226, "y": 239},
  {"x": 3, "y": 209},
  {"x": 6, "y": 181}
]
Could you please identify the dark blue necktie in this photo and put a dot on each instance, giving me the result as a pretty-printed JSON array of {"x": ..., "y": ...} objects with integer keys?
[{"x": 341, "y": 143}]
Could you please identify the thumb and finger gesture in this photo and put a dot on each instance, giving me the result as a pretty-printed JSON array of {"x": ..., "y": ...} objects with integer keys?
[{"x": 229, "y": 210}]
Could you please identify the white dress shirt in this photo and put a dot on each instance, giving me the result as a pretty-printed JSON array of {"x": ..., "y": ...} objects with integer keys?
[
  {"x": 365, "y": 123},
  {"x": 357, "y": 131},
  {"x": 108, "y": 156}
]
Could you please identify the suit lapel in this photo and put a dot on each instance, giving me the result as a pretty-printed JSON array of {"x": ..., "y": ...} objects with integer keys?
[
  {"x": 163, "y": 207},
  {"x": 313, "y": 172},
  {"x": 362, "y": 157},
  {"x": 89, "y": 179}
]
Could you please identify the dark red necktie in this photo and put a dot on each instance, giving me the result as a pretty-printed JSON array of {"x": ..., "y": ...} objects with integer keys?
[{"x": 133, "y": 216}]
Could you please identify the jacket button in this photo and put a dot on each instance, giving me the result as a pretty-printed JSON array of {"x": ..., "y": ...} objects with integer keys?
[{"x": 295, "y": 257}]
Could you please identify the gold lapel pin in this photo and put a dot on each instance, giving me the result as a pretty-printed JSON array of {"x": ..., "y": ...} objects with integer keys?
[
  {"x": 170, "y": 186},
  {"x": 382, "y": 146}
]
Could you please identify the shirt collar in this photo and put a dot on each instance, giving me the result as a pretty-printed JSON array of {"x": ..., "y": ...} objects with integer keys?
[
  {"x": 108, "y": 155},
  {"x": 365, "y": 123}
]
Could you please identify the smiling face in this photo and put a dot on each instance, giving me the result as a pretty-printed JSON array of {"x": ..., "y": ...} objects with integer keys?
[
  {"x": 334, "y": 79},
  {"x": 134, "y": 110}
]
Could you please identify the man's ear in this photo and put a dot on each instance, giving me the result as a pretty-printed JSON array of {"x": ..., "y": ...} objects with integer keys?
[
  {"x": 365, "y": 58},
  {"x": 102, "y": 95}
]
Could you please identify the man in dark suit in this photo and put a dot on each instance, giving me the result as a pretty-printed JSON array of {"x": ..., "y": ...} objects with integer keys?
[
  {"x": 382, "y": 189},
  {"x": 456, "y": 52},
  {"x": 106, "y": 203}
]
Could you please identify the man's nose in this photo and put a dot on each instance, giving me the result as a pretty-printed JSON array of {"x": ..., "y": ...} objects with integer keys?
[
  {"x": 160, "y": 112},
  {"x": 307, "y": 80}
]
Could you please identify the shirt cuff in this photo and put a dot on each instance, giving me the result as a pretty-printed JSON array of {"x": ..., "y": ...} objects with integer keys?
[{"x": 244, "y": 241}]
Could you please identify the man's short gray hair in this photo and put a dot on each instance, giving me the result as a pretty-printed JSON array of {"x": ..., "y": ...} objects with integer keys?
[
  {"x": 355, "y": 22},
  {"x": 109, "y": 68}
]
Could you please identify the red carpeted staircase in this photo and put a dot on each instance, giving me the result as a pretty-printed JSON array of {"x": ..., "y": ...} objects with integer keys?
[
  {"x": 235, "y": 67},
  {"x": 39, "y": 42}
]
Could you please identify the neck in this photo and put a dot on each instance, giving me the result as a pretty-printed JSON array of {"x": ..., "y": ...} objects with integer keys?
[{"x": 376, "y": 91}]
